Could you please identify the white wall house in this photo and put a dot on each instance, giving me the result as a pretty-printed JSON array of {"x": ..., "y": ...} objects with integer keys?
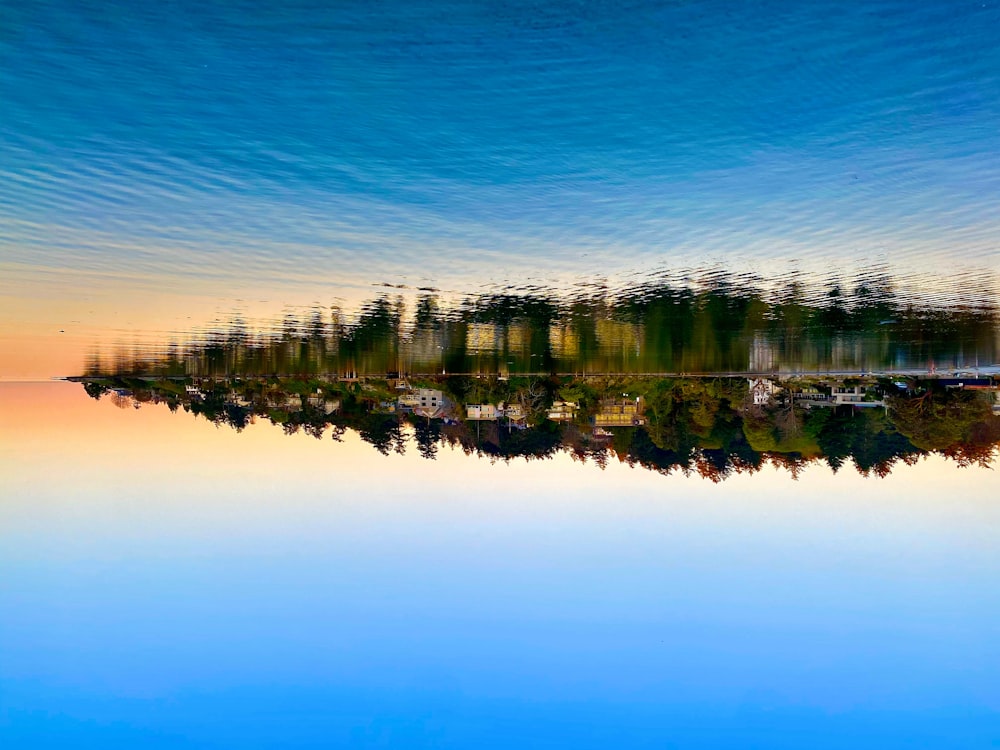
[
  {"x": 480, "y": 411},
  {"x": 762, "y": 390},
  {"x": 563, "y": 411},
  {"x": 430, "y": 398}
]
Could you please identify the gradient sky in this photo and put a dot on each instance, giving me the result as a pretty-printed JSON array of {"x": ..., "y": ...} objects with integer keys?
[
  {"x": 168, "y": 583},
  {"x": 166, "y": 162}
]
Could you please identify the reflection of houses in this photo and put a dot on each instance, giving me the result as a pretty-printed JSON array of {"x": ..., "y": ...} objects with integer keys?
[
  {"x": 619, "y": 413},
  {"x": 564, "y": 342},
  {"x": 519, "y": 338},
  {"x": 762, "y": 390},
  {"x": 763, "y": 354},
  {"x": 563, "y": 411},
  {"x": 482, "y": 338},
  {"x": 480, "y": 411},
  {"x": 618, "y": 338}
]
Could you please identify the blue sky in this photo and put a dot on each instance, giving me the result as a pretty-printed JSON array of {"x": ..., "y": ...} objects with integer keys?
[{"x": 257, "y": 589}]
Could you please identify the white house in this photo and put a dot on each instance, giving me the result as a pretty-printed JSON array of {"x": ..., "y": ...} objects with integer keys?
[
  {"x": 853, "y": 395},
  {"x": 762, "y": 390},
  {"x": 481, "y": 411},
  {"x": 514, "y": 411},
  {"x": 410, "y": 400},
  {"x": 563, "y": 411},
  {"x": 430, "y": 398}
]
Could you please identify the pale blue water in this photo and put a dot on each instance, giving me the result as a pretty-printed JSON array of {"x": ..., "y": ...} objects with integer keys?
[{"x": 495, "y": 141}]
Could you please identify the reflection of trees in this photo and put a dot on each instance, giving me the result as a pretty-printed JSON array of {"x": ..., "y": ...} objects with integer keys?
[{"x": 710, "y": 325}]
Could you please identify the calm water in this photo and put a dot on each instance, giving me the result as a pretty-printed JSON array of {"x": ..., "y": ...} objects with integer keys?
[
  {"x": 162, "y": 166},
  {"x": 170, "y": 584},
  {"x": 281, "y": 207}
]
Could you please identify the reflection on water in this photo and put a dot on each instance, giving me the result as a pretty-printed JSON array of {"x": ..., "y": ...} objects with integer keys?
[
  {"x": 716, "y": 377},
  {"x": 716, "y": 427},
  {"x": 712, "y": 324}
]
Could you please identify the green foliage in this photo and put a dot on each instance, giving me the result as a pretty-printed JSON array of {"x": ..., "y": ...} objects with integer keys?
[
  {"x": 938, "y": 419},
  {"x": 95, "y": 390},
  {"x": 696, "y": 424}
]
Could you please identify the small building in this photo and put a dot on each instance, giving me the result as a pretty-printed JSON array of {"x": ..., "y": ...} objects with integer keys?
[
  {"x": 843, "y": 394},
  {"x": 408, "y": 401},
  {"x": 853, "y": 396},
  {"x": 430, "y": 398},
  {"x": 623, "y": 412},
  {"x": 810, "y": 396},
  {"x": 481, "y": 411},
  {"x": 563, "y": 411},
  {"x": 436, "y": 412},
  {"x": 514, "y": 412},
  {"x": 762, "y": 390},
  {"x": 238, "y": 399}
]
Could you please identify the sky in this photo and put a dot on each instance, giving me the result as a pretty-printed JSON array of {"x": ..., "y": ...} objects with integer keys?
[
  {"x": 169, "y": 583},
  {"x": 164, "y": 164}
]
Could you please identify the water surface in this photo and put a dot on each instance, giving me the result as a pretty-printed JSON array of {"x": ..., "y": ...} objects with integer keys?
[{"x": 163, "y": 165}]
